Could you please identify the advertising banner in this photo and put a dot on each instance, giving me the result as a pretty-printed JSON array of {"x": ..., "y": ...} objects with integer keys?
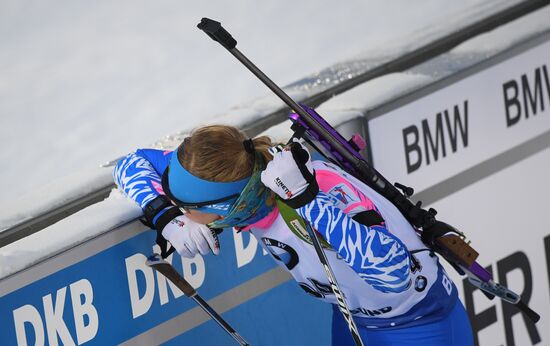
[
  {"x": 113, "y": 298},
  {"x": 477, "y": 150}
]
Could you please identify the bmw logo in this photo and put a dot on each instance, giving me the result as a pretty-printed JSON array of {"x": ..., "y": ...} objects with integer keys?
[{"x": 420, "y": 283}]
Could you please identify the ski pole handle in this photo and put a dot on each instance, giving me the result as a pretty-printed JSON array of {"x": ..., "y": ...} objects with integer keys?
[{"x": 217, "y": 33}]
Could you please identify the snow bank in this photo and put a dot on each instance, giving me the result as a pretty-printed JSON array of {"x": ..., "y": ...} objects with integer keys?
[
  {"x": 85, "y": 82},
  {"x": 85, "y": 224},
  {"x": 117, "y": 210}
]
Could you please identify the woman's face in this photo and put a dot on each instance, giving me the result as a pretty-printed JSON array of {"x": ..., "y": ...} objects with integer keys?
[{"x": 201, "y": 217}]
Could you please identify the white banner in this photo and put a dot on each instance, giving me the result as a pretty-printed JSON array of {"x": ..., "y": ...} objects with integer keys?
[
  {"x": 468, "y": 122},
  {"x": 505, "y": 214}
]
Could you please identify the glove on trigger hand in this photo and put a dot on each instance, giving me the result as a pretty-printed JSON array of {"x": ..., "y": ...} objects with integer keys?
[{"x": 290, "y": 175}]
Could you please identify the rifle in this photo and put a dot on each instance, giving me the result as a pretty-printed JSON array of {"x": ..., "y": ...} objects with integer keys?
[{"x": 439, "y": 236}]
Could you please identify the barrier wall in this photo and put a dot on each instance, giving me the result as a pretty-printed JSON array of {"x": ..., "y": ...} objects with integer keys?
[{"x": 102, "y": 293}]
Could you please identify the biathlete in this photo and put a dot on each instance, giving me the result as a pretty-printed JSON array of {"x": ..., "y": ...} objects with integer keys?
[{"x": 395, "y": 287}]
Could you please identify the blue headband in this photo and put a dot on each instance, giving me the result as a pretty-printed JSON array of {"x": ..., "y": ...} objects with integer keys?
[{"x": 190, "y": 189}]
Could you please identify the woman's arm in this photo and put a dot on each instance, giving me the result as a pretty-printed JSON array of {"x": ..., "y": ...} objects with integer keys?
[
  {"x": 377, "y": 256},
  {"x": 138, "y": 175}
]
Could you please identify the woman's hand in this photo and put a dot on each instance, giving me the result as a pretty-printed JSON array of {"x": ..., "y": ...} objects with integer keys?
[
  {"x": 190, "y": 238},
  {"x": 290, "y": 174}
]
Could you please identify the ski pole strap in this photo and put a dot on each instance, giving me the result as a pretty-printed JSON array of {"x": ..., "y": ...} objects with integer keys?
[
  {"x": 161, "y": 222},
  {"x": 301, "y": 157},
  {"x": 153, "y": 208},
  {"x": 306, "y": 196},
  {"x": 165, "y": 218},
  {"x": 163, "y": 244},
  {"x": 158, "y": 213}
]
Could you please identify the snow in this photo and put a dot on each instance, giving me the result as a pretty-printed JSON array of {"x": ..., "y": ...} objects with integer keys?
[
  {"x": 356, "y": 101},
  {"x": 92, "y": 221},
  {"x": 86, "y": 82},
  {"x": 54, "y": 194},
  {"x": 517, "y": 31},
  {"x": 93, "y": 81}
]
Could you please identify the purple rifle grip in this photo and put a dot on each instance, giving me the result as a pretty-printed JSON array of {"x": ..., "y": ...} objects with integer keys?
[{"x": 480, "y": 272}]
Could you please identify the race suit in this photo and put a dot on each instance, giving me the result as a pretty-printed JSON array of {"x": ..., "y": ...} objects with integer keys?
[{"x": 386, "y": 274}]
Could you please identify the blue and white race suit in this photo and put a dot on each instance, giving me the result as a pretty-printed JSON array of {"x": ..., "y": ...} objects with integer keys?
[{"x": 387, "y": 275}]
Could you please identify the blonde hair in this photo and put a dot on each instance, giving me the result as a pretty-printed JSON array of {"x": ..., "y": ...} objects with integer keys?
[{"x": 216, "y": 153}]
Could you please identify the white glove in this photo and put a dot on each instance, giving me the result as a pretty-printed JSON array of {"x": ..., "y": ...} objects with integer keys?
[
  {"x": 190, "y": 238},
  {"x": 290, "y": 174}
]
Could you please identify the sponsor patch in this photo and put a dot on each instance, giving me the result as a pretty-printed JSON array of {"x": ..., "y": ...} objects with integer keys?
[
  {"x": 282, "y": 252},
  {"x": 342, "y": 196},
  {"x": 420, "y": 283}
]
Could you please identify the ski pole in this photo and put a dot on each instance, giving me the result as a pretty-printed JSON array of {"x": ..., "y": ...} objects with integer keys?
[
  {"x": 155, "y": 261},
  {"x": 219, "y": 34},
  {"x": 334, "y": 285}
]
